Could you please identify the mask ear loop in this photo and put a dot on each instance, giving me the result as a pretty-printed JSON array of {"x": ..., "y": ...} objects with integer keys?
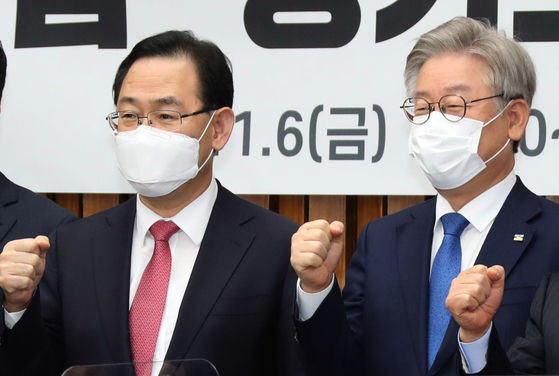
[
  {"x": 508, "y": 141},
  {"x": 499, "y": 114},
  {"x": 499, "y": 152},
  {"x": 203, "y": 133},
  {"x": 208, "y": 125}
]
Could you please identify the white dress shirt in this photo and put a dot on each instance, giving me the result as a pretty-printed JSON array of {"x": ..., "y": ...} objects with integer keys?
[
  {"x": 480, "y": 212},
  {"x": 184, "y": 245}
]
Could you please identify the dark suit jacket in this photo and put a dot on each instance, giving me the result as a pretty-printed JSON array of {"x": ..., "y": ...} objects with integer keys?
[
  {"x": 236, "y": 311},
  {"x": 24, "y": 214},
  {"x": 383, "y": 329},
  {"x": 537, "y": 353}
]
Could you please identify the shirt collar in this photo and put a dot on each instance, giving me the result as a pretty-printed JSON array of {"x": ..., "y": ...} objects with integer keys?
[
  {"x": 192, "y": 220},
  {"x": 483, "y": 209}
]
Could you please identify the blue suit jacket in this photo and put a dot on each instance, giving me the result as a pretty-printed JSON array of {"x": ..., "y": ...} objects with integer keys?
[
  {"x": 236, "y": 311},
  {"x": 383, "y": 328}
]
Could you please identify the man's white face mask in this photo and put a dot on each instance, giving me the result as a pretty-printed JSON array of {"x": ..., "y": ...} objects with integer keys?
[
  {"x": 156, "y": 162},
  {"x": 448, "y": 151}
]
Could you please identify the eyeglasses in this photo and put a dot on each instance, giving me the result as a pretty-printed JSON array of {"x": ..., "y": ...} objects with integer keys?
[
  {"x": 453, "y": 107},
  {"x": 168, "y": 120}
]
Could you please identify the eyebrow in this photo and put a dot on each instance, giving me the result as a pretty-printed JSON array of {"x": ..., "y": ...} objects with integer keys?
[
  {"x": 128, "y": 100},
  {"x": 167, "y": 100},
  {"x": 460, "y": 88},
  {"x": 164, "y": 100}
]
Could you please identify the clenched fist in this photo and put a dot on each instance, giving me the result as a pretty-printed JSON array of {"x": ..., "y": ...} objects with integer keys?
[
  {"x": 22, "y": 264},
  {"x": 473, "y": 299},
  {"x": 316, "y": 249}
]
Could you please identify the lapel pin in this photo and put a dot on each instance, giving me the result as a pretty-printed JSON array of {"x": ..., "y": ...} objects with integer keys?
[{"x": 518, "y": 237}]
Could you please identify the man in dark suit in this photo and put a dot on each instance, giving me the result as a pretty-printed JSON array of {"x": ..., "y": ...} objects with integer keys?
[
  {"x": 23, "y": 213},
  {"x": 470, "y": 91},
  {"x": 218, "y": 286}
]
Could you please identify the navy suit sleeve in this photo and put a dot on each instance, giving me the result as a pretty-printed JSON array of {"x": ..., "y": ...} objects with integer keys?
[
  {"x": 528, "y": 354},
  {"x": 34, "y": 347},
  {"x": 327, "y": 341},
  {"x": 330, "y": 339}
]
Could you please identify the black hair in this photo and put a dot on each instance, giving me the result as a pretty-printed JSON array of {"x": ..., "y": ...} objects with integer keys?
[
  {"x": 3, "y": 66},
  {"x": 213, "y": 67}
]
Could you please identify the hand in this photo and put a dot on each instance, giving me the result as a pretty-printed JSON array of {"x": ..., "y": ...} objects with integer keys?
[
  {"x": 316, "y": 249},
  {"x": 473, "y": 299},
  {"x": 22, "y": 264}
]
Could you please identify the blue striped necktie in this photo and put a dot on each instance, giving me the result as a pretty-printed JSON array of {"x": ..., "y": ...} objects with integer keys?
[{"x": 446, "y": 267}]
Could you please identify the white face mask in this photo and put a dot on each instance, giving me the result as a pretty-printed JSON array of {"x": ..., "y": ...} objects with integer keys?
[
  {"x": 156, "y": 162},
  {"x": 447, "y": 151}
]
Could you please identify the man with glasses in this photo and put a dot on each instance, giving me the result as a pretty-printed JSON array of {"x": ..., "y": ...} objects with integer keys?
[
  {"x": 184, "y": 270},
  {"x": 470, "y": 89}
]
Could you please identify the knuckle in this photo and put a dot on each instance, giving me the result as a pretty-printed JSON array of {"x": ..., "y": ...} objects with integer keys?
[
  {"x": 29, "y": 270},
  {"x": 35, "y": 261},
  {"x": 322, "y": 222}
]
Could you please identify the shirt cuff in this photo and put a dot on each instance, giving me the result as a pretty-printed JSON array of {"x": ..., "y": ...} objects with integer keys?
[
  {"x": 308, "y": 303},
  {"x": 10, "y": 319},
  {"x": 474, "y": 353}
]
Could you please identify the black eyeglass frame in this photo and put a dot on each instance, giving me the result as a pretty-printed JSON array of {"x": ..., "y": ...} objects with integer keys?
[
  {"x": 114, "y": 127},
  {"x": 432, "y": 106}
]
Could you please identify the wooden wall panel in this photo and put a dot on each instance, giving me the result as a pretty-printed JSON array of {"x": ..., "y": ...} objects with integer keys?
[
  {"x": 397, "y": 203},
  {"x": 70, "y": 201},
  {"x": 331, "y": 208},
  {"x": 94, "y": 203},
  {"x": 262, "y": 200},
  {"x": 294, "y": 208},
  {"x": 369, "y": 208}
]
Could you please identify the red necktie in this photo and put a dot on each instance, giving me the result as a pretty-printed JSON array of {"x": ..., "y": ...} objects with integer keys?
[{"x": 149, "y": 302}]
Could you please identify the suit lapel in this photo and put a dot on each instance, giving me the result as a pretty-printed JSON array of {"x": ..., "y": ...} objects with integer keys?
[
  {"x": 499, "y": 248},
  {"x": 111, "y": 254},
  {"x": 449, "y": 347},
  {"x": 8, "y": 195},
  {"x": 414, "y": 239},
  {"x": 223, "y": 247},
  {"x": 502, "y": 245}
]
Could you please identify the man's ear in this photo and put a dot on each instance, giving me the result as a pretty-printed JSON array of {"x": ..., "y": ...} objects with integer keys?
[
  {"x": 223, "y": 122},
  {"x": 519, "y": 114}
]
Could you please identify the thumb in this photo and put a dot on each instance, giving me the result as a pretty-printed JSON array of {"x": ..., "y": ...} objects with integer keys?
[
  {"x": 44, "y": 244},
  {"x": 497, "y": 275},
  {"x": 336, "y": 245},
  {"x": 337, "y": 230}
]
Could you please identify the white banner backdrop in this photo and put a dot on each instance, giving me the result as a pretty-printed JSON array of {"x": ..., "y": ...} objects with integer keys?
[{"x": 321, "y": 120}]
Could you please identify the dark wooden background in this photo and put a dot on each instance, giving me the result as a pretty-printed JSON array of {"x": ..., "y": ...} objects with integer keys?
[{"x": 353, "y": 211}]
